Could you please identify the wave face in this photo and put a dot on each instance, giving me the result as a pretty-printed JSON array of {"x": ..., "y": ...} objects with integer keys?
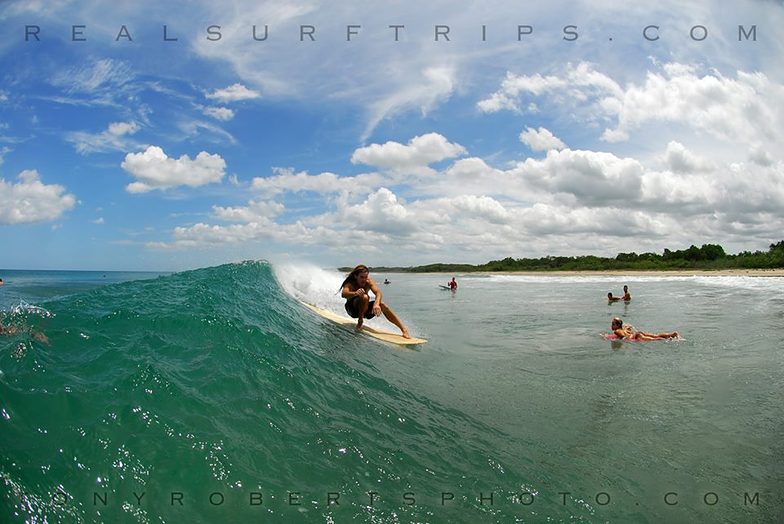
[{"x": 212, "y": 395}]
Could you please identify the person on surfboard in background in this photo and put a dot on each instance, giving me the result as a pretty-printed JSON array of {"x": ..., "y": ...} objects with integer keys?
[
  {"x": 628, "y": 332},
  {"x": 358, "y": 304},
  {"x": 626, "y": 295},
  {"x": 452, "y": 284}
]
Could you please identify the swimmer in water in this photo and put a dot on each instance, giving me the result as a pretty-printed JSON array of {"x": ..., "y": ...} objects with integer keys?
[{"x": 628, "y": 332}]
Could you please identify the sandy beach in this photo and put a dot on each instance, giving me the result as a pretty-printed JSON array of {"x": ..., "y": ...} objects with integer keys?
[{"x": 777, "y": 272}]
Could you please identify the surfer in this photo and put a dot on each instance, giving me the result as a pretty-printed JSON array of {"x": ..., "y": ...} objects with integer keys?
[
  {"x": 452, "y": 284},
  {"x": 611, "y": 298},
  {"x": 355, "y": 290},
  {"x": 626, "y": 295},
  {"x": 386, "y": 281},
  {"x": 11, "y": 330},
  {"x": 628, "y": 332}
]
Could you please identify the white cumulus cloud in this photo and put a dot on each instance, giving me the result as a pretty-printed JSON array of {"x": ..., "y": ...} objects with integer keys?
[
  {"x": 680, "y": 160},
  {"x": 254, "y": 211},
  {"x": 233, "y": 93},
  {"x": 747, "y": 108},
  {"x": 420, "y": 151},
  {"x": 482, "y": 207},
  {"x": 593, "y": 178},
  {"x": 540, "y": 139},
  {"x": 155, "y": 170},
  {"x": 30, "y": 200},
  {"x": 286, "y": 180},
  {"x": 383, "y": 213}
]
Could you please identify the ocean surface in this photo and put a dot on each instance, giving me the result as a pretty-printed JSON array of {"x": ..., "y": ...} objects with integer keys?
[{"x": 213, "y": 396}]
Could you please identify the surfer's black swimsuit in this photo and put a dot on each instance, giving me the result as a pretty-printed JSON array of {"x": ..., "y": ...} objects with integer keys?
[{"x": 352, "y": 308}]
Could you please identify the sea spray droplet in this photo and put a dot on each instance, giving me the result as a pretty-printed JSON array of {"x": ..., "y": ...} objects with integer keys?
[{"x": 20, "y": 351}]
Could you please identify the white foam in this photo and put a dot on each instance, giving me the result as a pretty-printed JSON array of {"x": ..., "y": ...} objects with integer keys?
[
  {"x": 24, "y": 308},
  {"x": 772, "y": 284},
  {"x": 310, "y": 283},
  {"x": 766, "y": 284}
]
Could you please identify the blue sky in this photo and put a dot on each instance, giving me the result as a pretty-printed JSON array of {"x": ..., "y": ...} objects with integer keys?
[{"x": 122, "y": 151}]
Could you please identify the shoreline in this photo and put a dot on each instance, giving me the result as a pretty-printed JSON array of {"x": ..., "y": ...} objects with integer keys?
[{"x": 777, "y": 272}]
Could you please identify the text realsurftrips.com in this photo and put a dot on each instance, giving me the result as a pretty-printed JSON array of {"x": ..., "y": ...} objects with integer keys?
[{"x": 358, "y": 33}]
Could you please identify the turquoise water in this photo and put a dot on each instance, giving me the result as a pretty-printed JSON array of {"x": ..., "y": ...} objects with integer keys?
[
  {"x": 213, "y": 396},
  {"x": 35, "y": 286}
]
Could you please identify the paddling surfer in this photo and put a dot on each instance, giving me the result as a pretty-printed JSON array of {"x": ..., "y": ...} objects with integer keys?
[
  {"x": 628, "y": 332},
  {"x": 355, "y": 290}
]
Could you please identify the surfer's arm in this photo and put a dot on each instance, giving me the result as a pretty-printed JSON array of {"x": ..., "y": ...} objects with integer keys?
[
  {"x": 375, "y": 290},
  {"x": 348, "y": 293}
]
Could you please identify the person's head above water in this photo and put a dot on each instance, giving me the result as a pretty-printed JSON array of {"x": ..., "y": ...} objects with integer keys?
[
  {"x": 609, "y": 295},
  {"x": 616, "y": 323}
]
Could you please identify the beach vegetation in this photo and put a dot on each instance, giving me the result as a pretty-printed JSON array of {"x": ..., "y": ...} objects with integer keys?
[{"x": 706, "y": 257}]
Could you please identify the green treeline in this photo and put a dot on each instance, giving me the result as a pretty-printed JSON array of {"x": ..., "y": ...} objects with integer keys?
[{"x": 709, "y": 256}]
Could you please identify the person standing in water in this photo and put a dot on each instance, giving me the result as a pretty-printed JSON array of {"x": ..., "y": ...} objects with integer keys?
[
  {"x": 355, "y": 290},
  {"x": 626, "y": 295},
  {"x": 452, "y": 284}
]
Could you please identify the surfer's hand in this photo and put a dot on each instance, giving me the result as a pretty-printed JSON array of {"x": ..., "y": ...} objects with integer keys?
[
  {"x": 359, "y": 292},
  {"x": 376, "y": 309}
]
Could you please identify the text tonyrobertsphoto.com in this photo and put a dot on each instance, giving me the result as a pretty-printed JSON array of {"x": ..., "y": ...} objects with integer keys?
[{"x": 431, "y": 498}]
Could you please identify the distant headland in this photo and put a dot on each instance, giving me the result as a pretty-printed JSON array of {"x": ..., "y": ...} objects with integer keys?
[{"x": 709, "y": 257}]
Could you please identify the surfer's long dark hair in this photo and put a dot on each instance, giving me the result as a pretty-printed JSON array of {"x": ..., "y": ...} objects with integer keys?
[{"x": 352, "y": 277}]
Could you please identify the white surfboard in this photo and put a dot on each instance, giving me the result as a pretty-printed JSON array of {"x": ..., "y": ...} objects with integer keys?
[{"x": 386, "y": 336}]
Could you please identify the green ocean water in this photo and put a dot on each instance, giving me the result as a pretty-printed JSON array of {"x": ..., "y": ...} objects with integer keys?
[{"x": 213, "y": 396}]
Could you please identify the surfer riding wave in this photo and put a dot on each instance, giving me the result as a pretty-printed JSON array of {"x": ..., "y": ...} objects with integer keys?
[{"x": 355, "y": 290}]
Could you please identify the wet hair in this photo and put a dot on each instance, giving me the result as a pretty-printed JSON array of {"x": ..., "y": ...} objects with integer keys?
[
  {"x": 618, "y": 321},
  {"x": 352, "y": 277},
  {"x": 609, "y": 295}
]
